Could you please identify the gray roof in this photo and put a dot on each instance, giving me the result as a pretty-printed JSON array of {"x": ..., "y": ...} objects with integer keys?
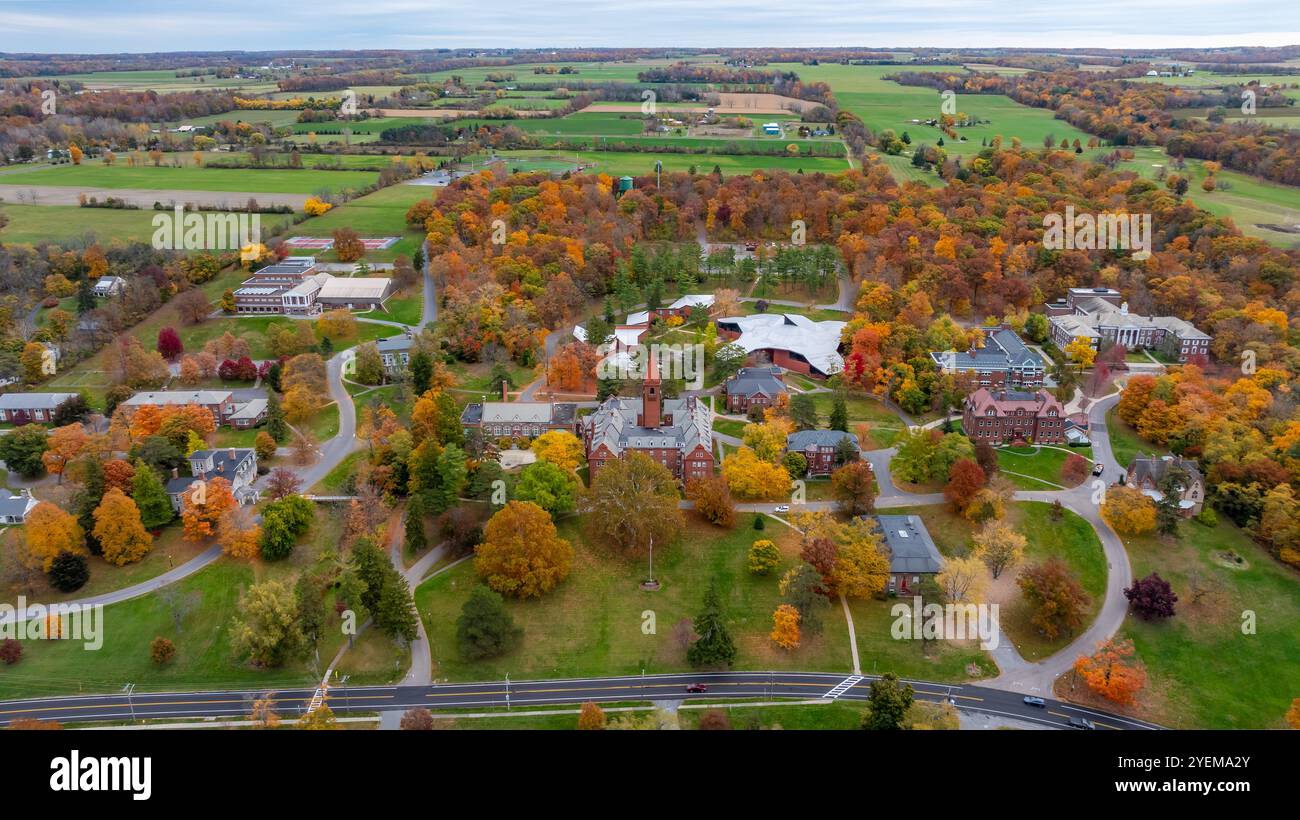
[
  {"x": 614, "y": 425},
  {"x": 33, "y": 401},
  {"x": 520, "y": 412},
  {"x": 911, "y": 549},
  {"x": 1002, "y": 350},
  {"x": 15, "y": 505},
  {"x": 1155, "y": 468},
  {"x": 804, "y": 439},
  {"x": 170, "y": 397},
  {"x": 749, "y": 381},
  {"x": 394, "y": 344}
]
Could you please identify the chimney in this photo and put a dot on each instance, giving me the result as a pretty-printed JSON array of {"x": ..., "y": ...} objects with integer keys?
[
  {"x": 221, "y": 466},
  {"x": 232, "y": 453},
  {"x": 176, "y": 472},
  {"x": 505, "y": 391}
]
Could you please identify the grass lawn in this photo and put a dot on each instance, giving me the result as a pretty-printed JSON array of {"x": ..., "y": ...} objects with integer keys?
[
  {"x": 382, "y": 213},
  {"x": 1042, "y": 463},
  {"x": 1072, "y": 539},
  {"x": 169, "y": 550},
  {"x": 621, "y": 163},
  {"x": 325, "y": 424},
  {"x": 29, "y": 224},
  {"x": 840, "y": 714},
  {"x": 729, "y": 427},
  {"x": 884, "y": 425},
  {"x": 94, "y": 173},
  {"x": 404, "y": 309},
  {"x": 1203, "y": 672},
  {"x": 1125, "y": 442},
  {"x": 336, "y": 478},
  {"x": 591, "y": 624}
]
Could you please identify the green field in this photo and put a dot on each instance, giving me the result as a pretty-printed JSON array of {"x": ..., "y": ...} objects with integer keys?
[
  {"x": 1203, "y": 671},
  {"x": 93, "y": 173},
  {"x": 61, "y": 223},
  {"x": 1043, "y": 464},
  {"x": 163, "y": 81},
  {"x": 633, "y": 164},
  {"x": 382, "y": 213}
]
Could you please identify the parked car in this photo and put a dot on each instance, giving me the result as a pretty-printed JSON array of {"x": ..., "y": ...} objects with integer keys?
[
  {"x": 696, "y": 689},
  {"x": 1081, "y": 723},
  {"x": 1099, "y": 469},
  {"x": 1033, "y": 701},
  {"x": 782, "y": 508}
]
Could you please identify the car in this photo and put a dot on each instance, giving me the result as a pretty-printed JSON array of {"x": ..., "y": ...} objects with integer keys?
[
  {"x": 781, "y": 508},
  {"x": 1033, "y": 701},
  {"x": 1099, "y": 469},
  {"x": 1081, "y": 723},
  {"x": 696, "y": 689}
]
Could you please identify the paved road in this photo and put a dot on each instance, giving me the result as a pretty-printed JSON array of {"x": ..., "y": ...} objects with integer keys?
[
  {"x": 496, "y": 694},
  {"x": 332, "y": 452}
]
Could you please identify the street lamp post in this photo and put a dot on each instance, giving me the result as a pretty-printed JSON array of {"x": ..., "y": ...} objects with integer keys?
[{"x": 130, "y": 690}]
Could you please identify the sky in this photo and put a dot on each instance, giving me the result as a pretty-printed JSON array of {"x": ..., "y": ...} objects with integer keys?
[{"x": 106, "y": 26}]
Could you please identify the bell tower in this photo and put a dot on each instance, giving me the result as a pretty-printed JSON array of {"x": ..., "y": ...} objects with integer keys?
[{"x": 652, "y": 395}]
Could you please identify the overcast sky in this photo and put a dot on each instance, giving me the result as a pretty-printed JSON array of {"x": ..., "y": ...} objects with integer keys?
[{"x": 262, "y": 25}]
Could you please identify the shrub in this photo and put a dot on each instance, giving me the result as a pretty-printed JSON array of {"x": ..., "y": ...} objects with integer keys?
[
  {"x": 161, "y": 650},
  {"x": 11, "y": 651}
]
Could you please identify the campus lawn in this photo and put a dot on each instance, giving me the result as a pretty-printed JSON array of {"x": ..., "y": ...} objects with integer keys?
[
  {"x": 169, "y": 550},
  {"x": 880, "y": 652},
  {"x": 729, "y": 427},
  {"x": 324, "y": 424},
  {"x": 335, "y": 480},
  {"x": 29, "y": 224},
  {"x": 94, "y": 173},
  {"x": 1125, "y": 442},
  {"x": 404, "y": 309},
  {"x": 477, "y": 377},
  {"x": 884, "y": 425},
  {"x": 1041, "y": 464},
  {"x": 591, "y": 624},
  {"x": 1071, "y": 539},
  {"x": 1203, "y": 672},
  {"x": 382, "y": 213}
]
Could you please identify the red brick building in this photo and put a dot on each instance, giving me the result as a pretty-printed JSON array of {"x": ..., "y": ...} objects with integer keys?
[{"x": 1005, "y": 416}]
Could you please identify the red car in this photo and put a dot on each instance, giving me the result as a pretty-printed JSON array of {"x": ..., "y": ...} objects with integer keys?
[{"x": 696, "y": 689}]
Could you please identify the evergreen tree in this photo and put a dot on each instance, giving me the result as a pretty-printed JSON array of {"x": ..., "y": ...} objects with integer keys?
[
  {"x": 715, "y": 646},
  {"x": 451, "y": 478},
  {"x": 86, "y": 501},
  {"x": 421, "y": 367},
  {"x": 69, "y": 572},
  {"x": 151, "y": 497},
  {"x": 85, "y": 297},
  {"x": 395, "y": 615},
  {"x": 309, "y": 600},
  {"x": 888, "y": 703},
  {"x": 370, "y": 565},
  {"x": 415, "y": 538},
  {"x": 839, "y": 412},
  {"x": 276, "y": 426},
  {"x": 484, "y": 628}
]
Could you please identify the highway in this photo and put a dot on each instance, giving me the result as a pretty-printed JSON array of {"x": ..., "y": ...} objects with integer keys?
[{"x": 539, "y": 693}]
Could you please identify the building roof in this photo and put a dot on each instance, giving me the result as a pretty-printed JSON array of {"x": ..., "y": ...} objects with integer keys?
[
  {"x": 168, "y": 397},
  {"x": 250, "y": 409},
  {"x": 1154, "y": 468},
  {"x": 816, "y": 342},
  {"x": 33, "y": 401},
  {"x": 519, "y": 412},
  {"x": 1007, "y": 402},
  {"x": 1097, "y": 314},
  {"x": 804, "y": 439},
  {"x": 395, "y": 344},
  {"x": 614, "y": 424},
  {"x": 692, "y": 300},
  {"x": 1002, "y": 350},
  {"x": 750, "y": 381},
  {"x": 911, "y": 549},
  {"x": 338, "y": 287},
  {"x": 16, "y": 505}
]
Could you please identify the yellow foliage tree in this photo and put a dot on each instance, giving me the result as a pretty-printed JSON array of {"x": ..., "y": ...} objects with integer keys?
[
  {"x": 521, "y": 553},
  {"x": 785, "y": 627},
  {"x": 560, "y": 447},
  {"x": 118, "y": 528},
  {"x": 1129, "y": 511},
  {"x": 749, "y": 476},
  {"x": 1081, "y": 352},
  {"x": 203, "y": 506},
  {"x": 767, "y": 440},
  {"x": 49, "y": 531}
]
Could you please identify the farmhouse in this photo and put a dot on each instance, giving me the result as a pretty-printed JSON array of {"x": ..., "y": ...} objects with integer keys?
[
  {"x": 753, "y": 387},
  {"x": 518, "y": 419},
  {"x": 1005, "y": 416},
  {"x": 24, "y": 408},
  {"x": 788, "y": 340},
  {"x": 1148, "y": 473},
  {"x": 677, "y": 433},
  {"x": 1101, "y": 316},
  {"x": 912, "y": 553},
  {"x": 14, "y": 508},
  {"x": 1003, "y": 360},
  {"x": 236, "y": 465},
  {"x": 823, "y": 448}
]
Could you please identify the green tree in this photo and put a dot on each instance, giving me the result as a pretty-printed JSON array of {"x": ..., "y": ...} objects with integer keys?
[
  {"x": 309, "y": 603},
  {"x": 485, "y": 629},
  {"x": 22, "y": 449},
  {"x": 839, "y": 419},
  {"x": 421, "y": 367},
  {"x": 888, "y": 703},
  {"x": 714, "y": 647},
  {"x": 548, "y": 486},
  {"x": 265, "y": 626},
  {"x": 151, "y": 497},
  {"x": 452, "y": 475},
  {"x": 803, "y": 411}
]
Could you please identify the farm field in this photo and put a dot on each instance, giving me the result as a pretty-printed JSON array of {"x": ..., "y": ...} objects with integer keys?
[
  {"x": 382, "y": 213},
  {"x": 63, "y": 223},
  {"x": 617, "y": 163},
  {"x": 163, "y": 81},
  {"x": 94, "y": 173}
]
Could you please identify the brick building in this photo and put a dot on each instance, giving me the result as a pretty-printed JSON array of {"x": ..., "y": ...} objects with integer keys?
[
  {"x": 1101, "y": 316},
  {"x": 1003, "y": 360},
  {"x": 1005, "y": 416},
  {"x": 753, "y": 387}
]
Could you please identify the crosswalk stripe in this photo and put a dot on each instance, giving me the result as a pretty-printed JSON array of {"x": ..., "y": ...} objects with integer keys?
[{"x": 843, "y": 686}]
